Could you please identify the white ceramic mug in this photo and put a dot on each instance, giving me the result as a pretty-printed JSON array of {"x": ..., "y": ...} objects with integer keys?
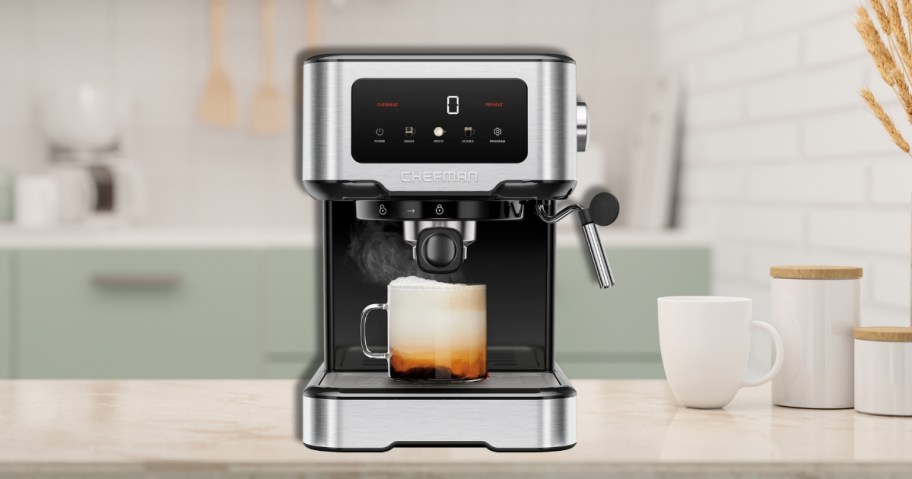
[
  {"x": 76, "y": 191},
  {"x": 37, "y": 201},
  {"x": 705, "y": 341}
]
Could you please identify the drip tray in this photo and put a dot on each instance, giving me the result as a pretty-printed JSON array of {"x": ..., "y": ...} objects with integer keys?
[
  {"x": 508, "y": 411},
  {"x": 496, "y": 380}
]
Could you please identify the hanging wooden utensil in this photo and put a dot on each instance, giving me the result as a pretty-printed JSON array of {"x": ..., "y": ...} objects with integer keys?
[
  {"x": 312, "y": 31},
  {"x": 218, "y": 105},
  {"x": 268, "y": 115}
]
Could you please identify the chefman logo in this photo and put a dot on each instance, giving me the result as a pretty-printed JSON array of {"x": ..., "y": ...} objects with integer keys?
[{"x": 440, "y": 177}]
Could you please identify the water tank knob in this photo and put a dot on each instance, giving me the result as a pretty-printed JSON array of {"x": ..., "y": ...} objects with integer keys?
[{"x": 582, "y": 126}]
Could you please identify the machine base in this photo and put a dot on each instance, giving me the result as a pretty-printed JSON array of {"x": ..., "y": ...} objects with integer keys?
[{"x": 508, "y": 411}]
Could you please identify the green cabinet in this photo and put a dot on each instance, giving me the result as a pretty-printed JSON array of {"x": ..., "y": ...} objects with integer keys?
[
  {"x": 6, "y": 315},
  {"x": 613, "y": 333},
  {"x": 251, "y": 312},
  {"x": 137, "y": 313},
  {"x": 292, "y": 311}
]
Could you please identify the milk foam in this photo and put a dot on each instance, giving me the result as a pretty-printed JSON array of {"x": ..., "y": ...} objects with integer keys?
[{"x": 422, "y": 283}]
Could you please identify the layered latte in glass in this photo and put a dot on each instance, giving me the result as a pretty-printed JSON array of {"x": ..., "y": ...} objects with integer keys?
[{"x": 437, "y": 331}]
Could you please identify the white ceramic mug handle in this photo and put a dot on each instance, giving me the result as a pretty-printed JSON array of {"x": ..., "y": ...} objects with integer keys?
[{"x": 777, "y": 361}]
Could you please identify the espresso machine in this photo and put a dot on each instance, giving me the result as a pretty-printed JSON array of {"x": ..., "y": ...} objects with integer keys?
[{"x": 445, "y": 166}]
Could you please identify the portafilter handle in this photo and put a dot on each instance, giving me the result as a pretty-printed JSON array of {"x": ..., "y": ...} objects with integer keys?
[{"x": 603, "y": 210}]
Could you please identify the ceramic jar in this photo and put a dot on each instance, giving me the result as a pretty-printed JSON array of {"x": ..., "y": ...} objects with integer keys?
[
  {"x": 815, "y": 309},
  {"x": 883, "y": 370}
]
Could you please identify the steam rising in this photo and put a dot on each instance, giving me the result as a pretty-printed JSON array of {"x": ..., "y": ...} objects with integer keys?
[{"x": 381, "y": 255}]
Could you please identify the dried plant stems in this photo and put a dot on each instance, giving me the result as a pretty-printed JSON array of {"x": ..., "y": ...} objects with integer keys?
[
  {"x": 892, "y": 58},
  {"x": 897, "y": 37},
  {"x": 875, "y": 46},
  {"x": 881, "y": 13},
  {"x": 907, "y": 13},
  {"x": 885, "y": 120},
  {"x": 902, "y": 92}
]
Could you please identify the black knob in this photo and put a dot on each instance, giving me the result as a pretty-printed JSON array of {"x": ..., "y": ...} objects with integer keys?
[
  {"x": 440, "y": 250},
  {"x": 604, "y": 209}
]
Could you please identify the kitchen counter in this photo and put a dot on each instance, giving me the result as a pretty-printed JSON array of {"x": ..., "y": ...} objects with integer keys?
[{"x": 247, "y": 429}]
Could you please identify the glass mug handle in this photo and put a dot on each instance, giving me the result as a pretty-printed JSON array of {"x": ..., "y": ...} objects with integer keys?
[
  {"x": 364, "y": 314},
  {"x": 777, "y": 361}
]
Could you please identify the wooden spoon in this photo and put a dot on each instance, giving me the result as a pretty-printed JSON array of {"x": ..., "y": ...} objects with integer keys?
[
  {"x": 312, "y": 30},
  {"x": 268, "y": 106},
  {"x": 218, "y": 105}
]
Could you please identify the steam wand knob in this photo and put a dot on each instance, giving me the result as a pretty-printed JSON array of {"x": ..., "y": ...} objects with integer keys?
[{"x": 603, "y": 210}]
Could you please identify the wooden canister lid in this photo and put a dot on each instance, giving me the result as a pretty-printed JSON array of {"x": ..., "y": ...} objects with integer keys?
[
  {"x": 893, "y": 334},
  {"x": 805, "y": 271}
]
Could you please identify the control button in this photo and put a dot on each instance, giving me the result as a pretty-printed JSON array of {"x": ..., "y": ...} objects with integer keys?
[
  {"x": 452, "y": 105},
  {"x": 498, "y": 131},
  {"x": 409, "y": 131},
  {"x": 439, "y": 131},
  {"x": 382, "y": 210},
  {"x": 379, "y": 131},
  {"x": 469, "y": 132},
  {"x": 438, "y": 209}
]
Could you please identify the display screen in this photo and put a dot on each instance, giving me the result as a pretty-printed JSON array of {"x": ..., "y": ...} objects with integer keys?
[{"x": 439, "y": 121}]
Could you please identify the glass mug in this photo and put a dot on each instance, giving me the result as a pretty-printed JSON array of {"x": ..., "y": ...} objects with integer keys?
[{"x": 436, "y": 331}]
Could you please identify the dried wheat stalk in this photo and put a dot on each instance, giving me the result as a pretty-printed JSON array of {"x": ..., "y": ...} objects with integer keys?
[
  {"x": 902, "y": 92},
  {"x": 907, "y": 14},
  {"x": 893, "y": 59},
  {"x": 876, "y": 48},
  {"x": 896, "y": 34},
  {"x": 884, "y": 120}
]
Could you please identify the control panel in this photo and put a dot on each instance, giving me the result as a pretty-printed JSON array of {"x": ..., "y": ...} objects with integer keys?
[
  {"x": 439, "y": 120},
  {"x": 405, "y": 210}
]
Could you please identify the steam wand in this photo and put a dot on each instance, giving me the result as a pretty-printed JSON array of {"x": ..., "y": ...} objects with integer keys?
[{"x": 603, "y": 210}]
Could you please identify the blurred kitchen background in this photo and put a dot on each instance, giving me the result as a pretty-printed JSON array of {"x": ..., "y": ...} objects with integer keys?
[{"x": 138, "y": 240}]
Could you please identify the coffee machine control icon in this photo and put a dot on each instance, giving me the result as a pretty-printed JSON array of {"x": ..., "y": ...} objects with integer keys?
[{"x": 458, "y": 211}]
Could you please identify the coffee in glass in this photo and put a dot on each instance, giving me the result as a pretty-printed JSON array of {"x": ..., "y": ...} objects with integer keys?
[{"x": 437, "y": 331}]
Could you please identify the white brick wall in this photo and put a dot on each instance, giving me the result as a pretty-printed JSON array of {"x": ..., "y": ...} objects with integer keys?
[
  {"x": 158, "y": 52},
  {"x": 782, "y": 163}
]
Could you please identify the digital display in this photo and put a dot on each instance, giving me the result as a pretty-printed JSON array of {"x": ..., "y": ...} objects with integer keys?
[{"x": 439, "y": 121}]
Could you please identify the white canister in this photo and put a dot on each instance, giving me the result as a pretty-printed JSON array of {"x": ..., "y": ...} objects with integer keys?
[
  {"x": 815, "y": 309},
  {"x": 883, "y": 370}
]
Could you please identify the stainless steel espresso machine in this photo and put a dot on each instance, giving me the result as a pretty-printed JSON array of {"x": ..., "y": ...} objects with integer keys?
[{"x": 444, "y": 166}]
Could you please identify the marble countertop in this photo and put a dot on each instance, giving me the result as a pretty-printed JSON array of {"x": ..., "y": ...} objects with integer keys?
[{"x": 247, "y": 429}]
